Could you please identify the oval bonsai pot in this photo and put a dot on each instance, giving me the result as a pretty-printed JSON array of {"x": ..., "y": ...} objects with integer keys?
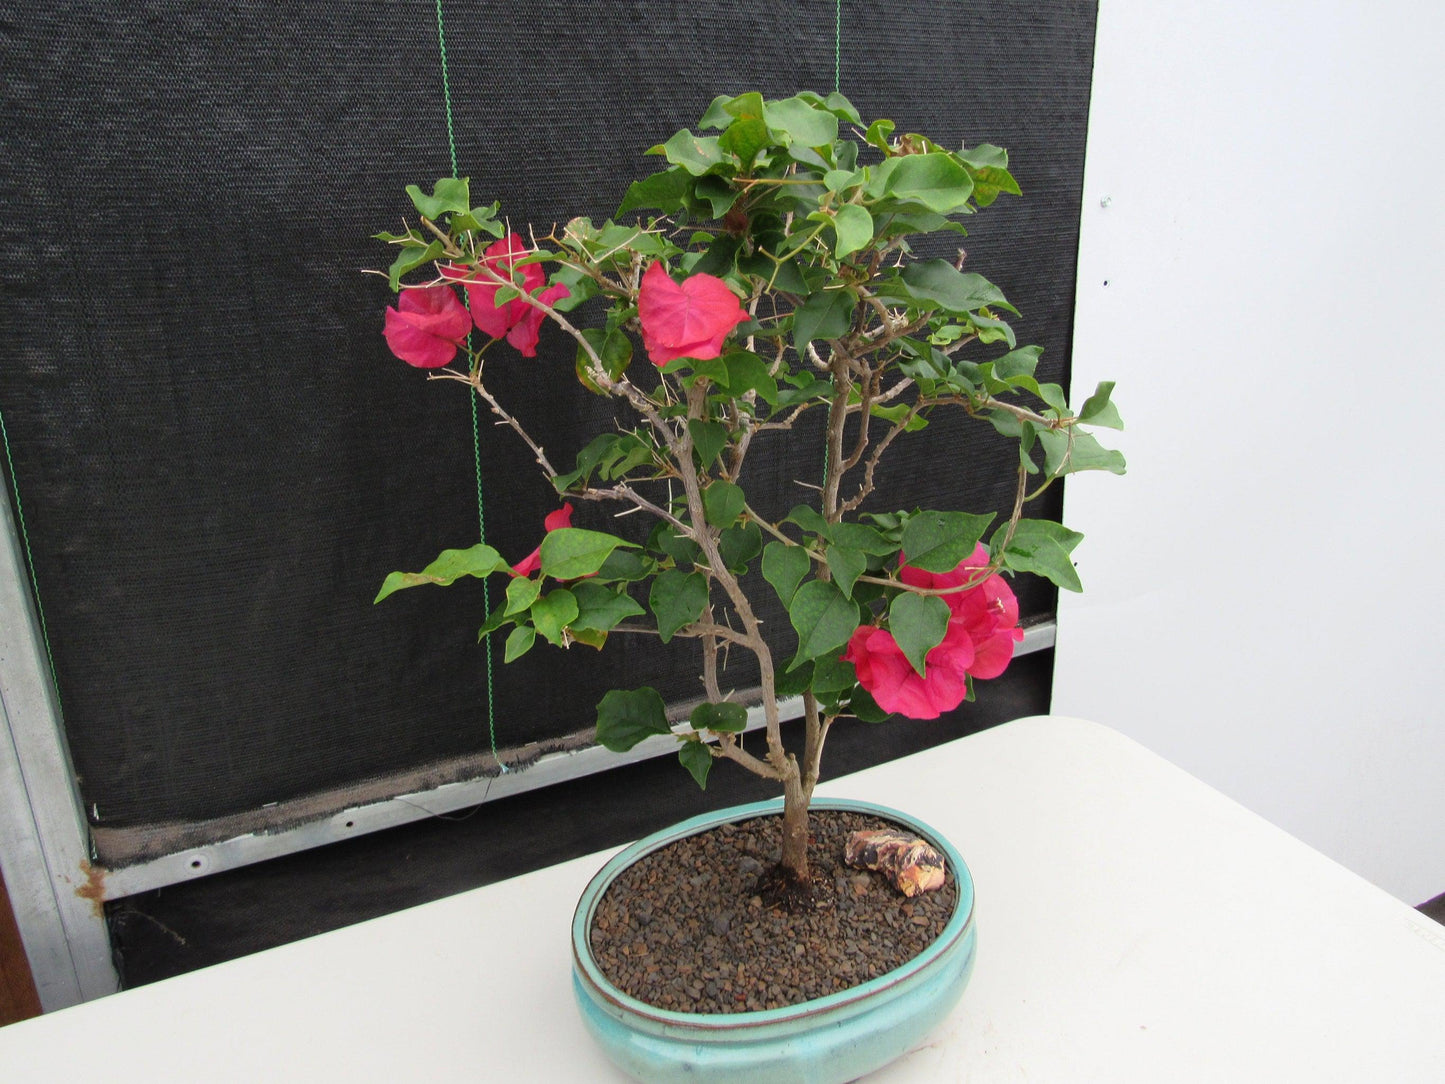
[{"x": 827, "y": 1040}]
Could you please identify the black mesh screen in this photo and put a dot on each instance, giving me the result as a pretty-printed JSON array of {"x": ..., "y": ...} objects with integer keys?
[{"x": 218, "y": 458}]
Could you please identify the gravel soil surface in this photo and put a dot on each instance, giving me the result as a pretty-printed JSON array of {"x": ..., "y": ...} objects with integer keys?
[{"x": 684, "y": 928}]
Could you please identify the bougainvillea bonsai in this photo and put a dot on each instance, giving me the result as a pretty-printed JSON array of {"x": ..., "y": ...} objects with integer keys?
[{"x": 773, "y": 276}]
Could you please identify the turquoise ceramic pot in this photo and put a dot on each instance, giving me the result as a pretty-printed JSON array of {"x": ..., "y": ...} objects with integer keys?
[{"x": 825, "y": 1041}]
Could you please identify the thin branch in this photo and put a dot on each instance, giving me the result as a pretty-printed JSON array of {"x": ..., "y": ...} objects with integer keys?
[
  {"x": 866, "y": 488},
  {"x": 475, "y": 380},
  {"x": 727, "y": 746}
]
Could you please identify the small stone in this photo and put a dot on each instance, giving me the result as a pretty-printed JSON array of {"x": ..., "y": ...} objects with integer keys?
[{"x": 720, "y": 924}]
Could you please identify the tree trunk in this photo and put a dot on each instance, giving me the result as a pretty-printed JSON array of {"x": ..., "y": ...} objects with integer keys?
[{"x": 795, "y": 826}]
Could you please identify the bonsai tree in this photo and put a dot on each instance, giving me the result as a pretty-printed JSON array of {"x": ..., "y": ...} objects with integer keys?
[{"x": 771, "y": 275}]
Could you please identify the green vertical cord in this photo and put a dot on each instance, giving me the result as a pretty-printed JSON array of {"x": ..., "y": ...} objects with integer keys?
[
  {"x": 476, "y": 424},
  {"x": 29, "y": 559},
  {"x": 837, "y": 73}
]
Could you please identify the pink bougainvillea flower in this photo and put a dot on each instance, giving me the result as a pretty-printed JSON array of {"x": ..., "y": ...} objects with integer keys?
[
  {"x": 889, "y": 677},
  {"x": 500, "y": 258},
  {"x": 988, "y": 612},
  {"x": 687, "y": 320},
  {"x": 555, "y": 520},
  {"x": 426, "y": 326},
  {"x": 516, "y": 320},
  {"x": 525, "y": 332}
]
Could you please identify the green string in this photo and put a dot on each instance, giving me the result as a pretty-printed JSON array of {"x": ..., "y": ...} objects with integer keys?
[
  {"x": 476, "y": 423},
  {"x": 837, "y": 44},
  {"x": 29, "y": 560},
  {"x": 837, "y": 72}
]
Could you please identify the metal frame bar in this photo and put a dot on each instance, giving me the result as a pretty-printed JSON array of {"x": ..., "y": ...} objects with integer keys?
[
  {"x": 243, "y": 850},
  {"x": 44, "y": 840}
]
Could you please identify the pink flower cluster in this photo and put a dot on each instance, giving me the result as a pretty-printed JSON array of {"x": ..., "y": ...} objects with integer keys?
[
  {"x": 429, "y": 323},
  {"x": 982, "y": 631}
]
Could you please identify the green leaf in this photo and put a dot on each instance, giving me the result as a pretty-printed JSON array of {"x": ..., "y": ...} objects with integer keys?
[
  {"x": 897, "y": 413},
  {"x": 580, "y": 287},
  {"x": 834, "y": 103},
  {"x": 738, "y": 545},
  {"x": 825, "y": 315},
  {"x": 624, "y": 565},
  {"x": 878, "y": 133},
  {"x": 991, "y": 178},
  {"x": 720, "y": 195},
  {"x": 683, "y": 550},
  {"x": 833, "y": 675},
  {"x": 521, "y": 593},
  {"x": 935, "y": 181},
  {"x": 410, "y": 258},
  {"x": 794, "y": 681},
  {"x": 795, "y": 121},
  {"x": 553, "y": 612},
  {"x": 940, "y": 541},
  {"x": 696, "y": 154},
  {"x": 1063, "y": 456},
  {"x": 859, "y": 536},
  {"x": 587, "y": 460},
  {"x": 601, "y": 608},
  {"x": 846, "y": 565},
  {"x": 990, "y": 329},
  {"x": 571, "y": 552},
  {"x": 985, "y": 156},
  {"x": 614, "y": 348},
  {"x": 726, "y": 718},
  {"x": 862, "y": 705},
  {"x": 519, "y": 642},
  {"x": 479, "y": 218},
  {"x": 918, "y": 624},
  {"x": 823, "y": 618},
  {"x": 697, "y": 759},
  {"x": 785, "y": 568},
  {"x": 724, "y": 110},
  {"x": 748, "y": 372},
  {"x": 951, "y": 289},
  {"x": 781, "y": 275},
  {"x": 808, "y": 518},
  {"x": 744, "y": 138},
  {"x": 989, "y": 183},
  {"x": 614, "y": 238},
  {"x": 677, "y": 599},
  {"x": 625, "y": 717},
  {"x": 665, "y": 191},
  {"x": 479, "y": 560},
  {"x": 1098, "y": 410},
  {"x": 1042, "y": 547},
  {"x": 854, "y": 227},
  {"x": 450, "y": 194},
  {"x": 709, "y": 439},
  {"x": 1016, "y": 363},
  {"x": 722, "y": 503},
  {"x": 494, "y": 621}
]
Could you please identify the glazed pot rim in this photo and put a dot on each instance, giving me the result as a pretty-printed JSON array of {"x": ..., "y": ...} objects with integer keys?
[{"x": 585, "y": 967}]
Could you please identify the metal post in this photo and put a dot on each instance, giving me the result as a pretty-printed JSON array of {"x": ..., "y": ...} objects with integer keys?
[{"x": 44, "y": 841}]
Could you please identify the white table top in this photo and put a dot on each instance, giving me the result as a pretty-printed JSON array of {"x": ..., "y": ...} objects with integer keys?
[{"x": 1133, "y": 925}]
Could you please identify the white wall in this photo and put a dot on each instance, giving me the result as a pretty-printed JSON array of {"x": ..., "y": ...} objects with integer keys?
[{"x": 1264, "y": 600}]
